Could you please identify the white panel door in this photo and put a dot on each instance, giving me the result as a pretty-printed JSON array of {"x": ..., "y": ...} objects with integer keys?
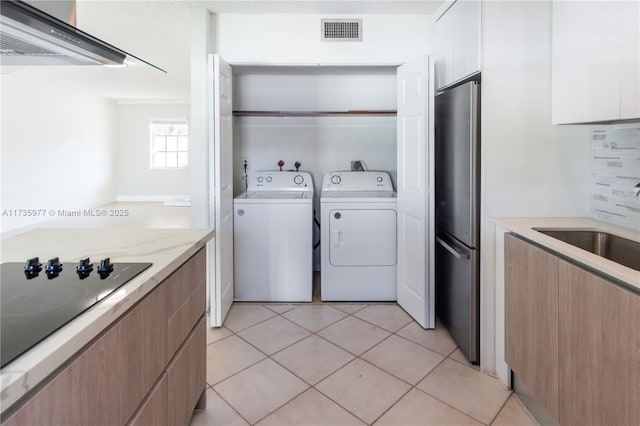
[
  {"x": 222, "y": 184},
  {"x": 415, "y": 193}
]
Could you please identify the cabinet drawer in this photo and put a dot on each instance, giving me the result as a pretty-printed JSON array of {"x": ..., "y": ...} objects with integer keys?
[
  {"x": 186, "y": 376},
  {"x": 154, "y": 411},
  {"x": 141, "y": 351},
  {"x": 84, "y": 393},
  {"x": 186, "y": 298}
]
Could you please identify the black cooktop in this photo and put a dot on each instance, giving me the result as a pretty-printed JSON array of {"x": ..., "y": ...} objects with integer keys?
[{"x": 37, "y": 300}]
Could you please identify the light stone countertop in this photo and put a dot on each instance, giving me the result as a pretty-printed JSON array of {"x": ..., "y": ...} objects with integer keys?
[
  {"x": 167, "y": 249},
  {"x": 522, "y": 226}
]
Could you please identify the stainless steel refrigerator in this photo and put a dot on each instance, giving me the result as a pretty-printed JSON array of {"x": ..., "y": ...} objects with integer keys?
[{"x": 457, "y": 214}]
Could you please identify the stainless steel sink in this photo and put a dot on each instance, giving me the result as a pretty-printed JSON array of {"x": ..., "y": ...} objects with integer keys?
[{"x": 620, "y": 250}]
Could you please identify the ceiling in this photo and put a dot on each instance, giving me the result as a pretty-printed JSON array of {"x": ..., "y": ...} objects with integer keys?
[
  {"x": 421, "y": 7},
  {"x": 158, "y": 31}
]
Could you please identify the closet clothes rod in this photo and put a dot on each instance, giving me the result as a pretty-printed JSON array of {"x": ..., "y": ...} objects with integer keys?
[{"x": 313, "y": 113}]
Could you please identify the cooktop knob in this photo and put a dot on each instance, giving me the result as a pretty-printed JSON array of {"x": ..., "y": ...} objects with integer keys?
[
  {"x": 335, "y": 179},
  {"x": 105, "y": 268},
  {"x": 32, "y": 268},
  {"x": 84, "y": 268},
  {"x": 53, "y": 268},
  {"x": 298, "y": 179}
]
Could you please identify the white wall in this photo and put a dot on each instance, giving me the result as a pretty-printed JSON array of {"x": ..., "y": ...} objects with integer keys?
[
  {"x": 295, "y": 39},
  {"x": 136, "y": 181},
  {"x": 529, "y": 167},
  {"x": 284, "y": 39},
  {"x": 321, "y": 144},
  {"x": 57, "y": 149}
]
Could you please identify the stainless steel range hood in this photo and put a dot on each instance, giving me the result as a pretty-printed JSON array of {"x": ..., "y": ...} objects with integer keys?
[{"x": 31, "y": 36}]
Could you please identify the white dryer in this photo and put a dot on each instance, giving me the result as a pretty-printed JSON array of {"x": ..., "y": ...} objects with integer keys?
[
  {"x": 273, "y": 238},
  {"x": 358, "y": 237}
]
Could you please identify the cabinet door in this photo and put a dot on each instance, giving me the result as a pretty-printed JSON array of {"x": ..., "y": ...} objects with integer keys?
[
  {"x": 186, "y": 377},
  {"x": 586, "y": 63},
  {"x": 531, "y": 314},
  {"x": 466, "y": 41},
  {"x": 444, "y": 49},
  {"x": 630, "y": 66},
  {"x": 84, "y": 393},
  {"x": 142, "y": 343},
  {"x": 599, "y": 381}
]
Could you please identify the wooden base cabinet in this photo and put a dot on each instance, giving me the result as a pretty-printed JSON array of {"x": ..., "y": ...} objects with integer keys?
[
  {"x": 531, "y": 313},
  {"x": 599, "y": 335},
  {"x": 572, "y": 338},
  {"x": 148, "y": 368}
]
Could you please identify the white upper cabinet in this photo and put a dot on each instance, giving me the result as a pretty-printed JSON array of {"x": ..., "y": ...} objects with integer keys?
[
  {"x": 630, "y": 61},
  {"x": 444, "y": 49},
  {"x": 457, "y": 39},
  {"x": 595, "y": 53}
]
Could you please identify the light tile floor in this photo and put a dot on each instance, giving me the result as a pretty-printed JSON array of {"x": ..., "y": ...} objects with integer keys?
[{"x": 345, "y": 364}]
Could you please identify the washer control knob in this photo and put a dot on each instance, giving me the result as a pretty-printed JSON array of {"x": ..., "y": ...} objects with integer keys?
[
  {"x": 335, "y": 179},
  {"x": 379, "y": 179},
  {"x": 269, "y": 178},
  {"x": 260, "y": 179},
  {"x": 298, "y": 179}
]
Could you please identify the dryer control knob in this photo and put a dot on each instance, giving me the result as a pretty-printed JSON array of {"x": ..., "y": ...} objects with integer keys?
[
  {"x": 379, "y": 179},
  {"x": 335, "y": 179},
  {"x": 298, "y": 179},
  {"x": 260, "y": 178},
  {"x": 269, "y": 178}
]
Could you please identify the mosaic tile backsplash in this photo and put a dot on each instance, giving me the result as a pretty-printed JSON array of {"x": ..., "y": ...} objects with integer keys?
[{"x": 615, "y": 151}]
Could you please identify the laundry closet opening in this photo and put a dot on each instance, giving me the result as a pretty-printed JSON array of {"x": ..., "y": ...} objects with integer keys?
[{"x": 323, "y": 117}]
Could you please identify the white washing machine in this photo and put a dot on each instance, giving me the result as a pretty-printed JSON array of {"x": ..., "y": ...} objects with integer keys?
[
  {"x": 358, "y": 237},
  {"x": 273, "y": 238}
]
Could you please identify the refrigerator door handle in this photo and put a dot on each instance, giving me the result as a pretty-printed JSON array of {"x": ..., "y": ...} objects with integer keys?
[{"x": 452, "y": 250}]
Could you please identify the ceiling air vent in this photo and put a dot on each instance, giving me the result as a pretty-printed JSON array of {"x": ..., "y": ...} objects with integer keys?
[{"x": 342, "y": 30}]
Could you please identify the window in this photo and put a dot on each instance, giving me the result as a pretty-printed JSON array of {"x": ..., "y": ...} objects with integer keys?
[{"x": 169, "y": 144}]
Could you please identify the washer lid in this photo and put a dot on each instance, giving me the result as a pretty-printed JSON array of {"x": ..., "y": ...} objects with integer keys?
[
  {"x": 280, "y": 195},
  {"x": 275, "y": 197}
]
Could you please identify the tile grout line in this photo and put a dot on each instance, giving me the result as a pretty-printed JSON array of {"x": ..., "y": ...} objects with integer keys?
[
  {"x": 501, "y": 408},
  {"x": 246, "y": 368},
  {"x": 450, "y": 406},
  {"x": 309, "y": 386},
  {"x": 231, "y": 406},
  {"x": 356, "y": 356},
  {"x": 446, "y": 403}
]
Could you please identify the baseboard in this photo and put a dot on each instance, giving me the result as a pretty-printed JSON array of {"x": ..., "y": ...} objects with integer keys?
[{"x": 168, "y": 200}]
